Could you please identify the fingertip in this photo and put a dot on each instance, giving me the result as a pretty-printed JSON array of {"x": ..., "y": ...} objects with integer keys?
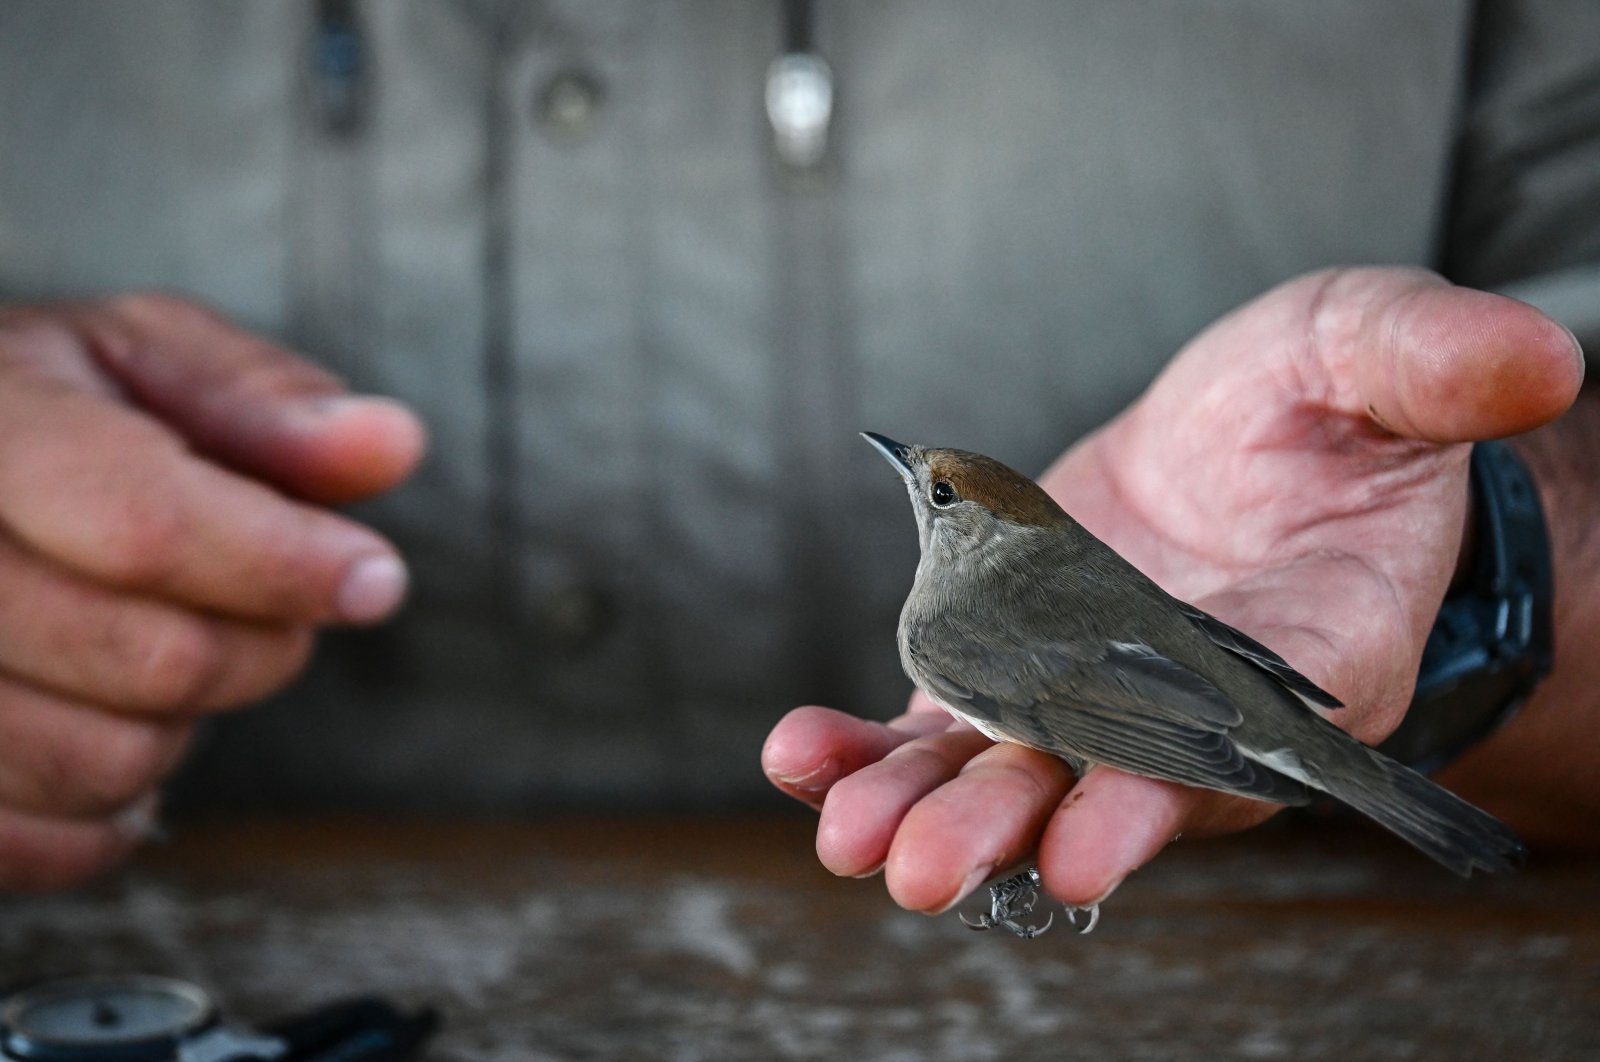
[
  {"x": 801, "y": 755},
  {"x": 1107, "y": 827},
  {"x": 47, "y": 855},
  {"x": 882, "y": 773},
  {"x": 939, "y": 905},
  {"x": 372, "y": 589},
  {"x": 989, "y": 816},
  {"x": 923, "y": 870},
  {"x": 342, "y": 447},
  {"x": 932, "y": 874},
  {"x": 813, "y": 747},
  {"x": 863, "y": 810},
  {"x": 844, "y": 846},
  {"x": 1458, "y": 365},
  {"x": 1552, "y": 367},
  {"x": 793, "y": 741}
]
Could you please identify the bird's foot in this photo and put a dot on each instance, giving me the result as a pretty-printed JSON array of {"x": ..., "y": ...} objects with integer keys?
[
  {"x": 1013, "y": 899},
  {"x": 989, "y": 922}
]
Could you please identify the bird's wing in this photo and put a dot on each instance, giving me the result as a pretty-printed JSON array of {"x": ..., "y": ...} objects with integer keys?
[
  {"x": 1236, "y": 641},
  {"x": 1118, "y": 703}
]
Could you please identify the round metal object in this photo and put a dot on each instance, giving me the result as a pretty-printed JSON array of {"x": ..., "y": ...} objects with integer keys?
[{"x": 131, "y": 1018}]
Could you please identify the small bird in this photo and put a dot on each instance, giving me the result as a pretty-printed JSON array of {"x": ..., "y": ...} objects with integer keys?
[{"x": 1030, "y": 628}]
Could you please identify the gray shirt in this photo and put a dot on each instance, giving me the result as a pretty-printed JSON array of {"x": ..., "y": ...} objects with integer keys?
[{"x": 643, "y": 342}]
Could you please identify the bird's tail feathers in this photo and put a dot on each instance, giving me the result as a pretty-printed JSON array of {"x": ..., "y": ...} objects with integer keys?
[{"x": 1432, "y": 819}]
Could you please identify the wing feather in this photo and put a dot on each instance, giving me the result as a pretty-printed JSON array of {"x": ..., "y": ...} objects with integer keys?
[
  {"x": 1118, "y": 703},
  {"x": 1240, "y": 643}
]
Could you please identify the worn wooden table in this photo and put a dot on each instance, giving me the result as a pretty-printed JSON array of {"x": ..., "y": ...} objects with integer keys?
[{"x": 722, "y": 939}]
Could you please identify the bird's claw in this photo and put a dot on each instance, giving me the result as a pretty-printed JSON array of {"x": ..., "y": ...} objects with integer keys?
[
  {"x": 1093, "y": 920},
  {"x": 989, "y": 922},
  {"x": 1013, "y": 899}
]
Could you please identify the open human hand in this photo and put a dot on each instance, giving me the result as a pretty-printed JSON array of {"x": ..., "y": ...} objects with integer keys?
[
  {"x": 1299, "y": 471},
  {"x": 165, "y": 551}
]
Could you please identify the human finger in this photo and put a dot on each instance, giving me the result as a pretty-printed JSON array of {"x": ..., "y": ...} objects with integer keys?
[
  {"x": 863, "y": 810},
  {"x": 985, "y": 819},
  {"x": 41, "y": 854},
  {"x": 248, "y": 402},
  {"x": 1445, "y": 364},
  {"x": 1402, "y": 348},
  {"x": 812, "y": 747},
  {"x": 106, "y": 647},
  {"x": 118, "y": 497},
  {"x": 1112, "y": 823},
  {"x": 66, "y": 759}
]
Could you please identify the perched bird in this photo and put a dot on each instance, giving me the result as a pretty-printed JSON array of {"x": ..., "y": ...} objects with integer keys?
[{"x": 1028, "y": 627}]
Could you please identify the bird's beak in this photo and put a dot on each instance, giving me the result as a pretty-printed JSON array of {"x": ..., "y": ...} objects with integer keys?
[{"x": 897, "y": 454}]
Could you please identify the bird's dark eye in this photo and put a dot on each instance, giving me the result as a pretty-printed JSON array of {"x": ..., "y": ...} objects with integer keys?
[{"x": 943, "y": 494}]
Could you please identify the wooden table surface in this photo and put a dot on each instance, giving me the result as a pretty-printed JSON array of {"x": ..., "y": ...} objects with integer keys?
[{"x": 721, "y": 938}]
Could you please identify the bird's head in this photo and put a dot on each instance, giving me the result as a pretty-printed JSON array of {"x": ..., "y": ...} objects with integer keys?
[{"x": 965, "y": 500}]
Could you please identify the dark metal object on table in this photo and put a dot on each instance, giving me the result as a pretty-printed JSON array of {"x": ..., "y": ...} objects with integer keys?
[{"x": 141, "y": 1018}]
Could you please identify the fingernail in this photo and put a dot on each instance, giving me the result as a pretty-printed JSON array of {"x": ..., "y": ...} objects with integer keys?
[
  {"x": 816, "y": 780},
  {"x": 334, "y": 404},
  {"x": 973, "y": 880},
  {"x": 372, "y": 588},
  {"x": 874, "y": 872},
  {"x": 338, "y": 404},
  {"x": 1104, "y": 896},
  {"x": 310, "y": 413},
  {"x": 140, "y": 821},
  {"x": 314, "y": 412}
]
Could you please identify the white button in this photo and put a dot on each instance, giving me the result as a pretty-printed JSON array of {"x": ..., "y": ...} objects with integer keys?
[{"x": 800, "y": 107}]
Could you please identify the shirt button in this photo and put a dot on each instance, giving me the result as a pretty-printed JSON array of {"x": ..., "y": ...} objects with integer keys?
[
  {"x": 569, "y": 104},
  {"x": 575, "y": 617},
  {"x": 800, "y": 106}
]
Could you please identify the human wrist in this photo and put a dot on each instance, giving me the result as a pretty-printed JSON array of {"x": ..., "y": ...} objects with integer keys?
[
  {"x": 1490, "y": 644},
  {"x": 1565, "y": 463},
  {"x": 1537, "y": 771}
]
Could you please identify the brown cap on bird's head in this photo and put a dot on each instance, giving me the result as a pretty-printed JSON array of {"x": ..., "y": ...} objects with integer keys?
[{"x": 972, "y": 477}]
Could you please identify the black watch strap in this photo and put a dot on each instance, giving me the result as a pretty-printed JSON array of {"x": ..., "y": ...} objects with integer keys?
[{"x": 1493, "y": 640}]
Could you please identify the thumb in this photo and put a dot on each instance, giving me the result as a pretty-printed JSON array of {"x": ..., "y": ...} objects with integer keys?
[
  {"x": 1430, "y": 361},
  {"x": 248, "y": 403}
]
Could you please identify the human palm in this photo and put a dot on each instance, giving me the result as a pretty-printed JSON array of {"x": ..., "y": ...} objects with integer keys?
[{"x": 1299, "y": 471}]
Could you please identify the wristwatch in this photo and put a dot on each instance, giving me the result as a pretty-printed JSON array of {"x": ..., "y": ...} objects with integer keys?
[
  {"x": 1494, "y": 638},
  {"x": 140, "y": 1018}
]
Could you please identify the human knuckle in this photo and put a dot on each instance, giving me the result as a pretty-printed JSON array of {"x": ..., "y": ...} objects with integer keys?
[
  {"x": 126, "y": 764},
  {"x": 849, "y": 794},
  {"x": 92, "y": 771},
  {"x": 924, "y": 758},
  {"x": 178, "y": 664},
  {"x": 137, "y": 537},
  {"x": 1029, "y": 782},
  {"x": 154, "y": 305}
]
